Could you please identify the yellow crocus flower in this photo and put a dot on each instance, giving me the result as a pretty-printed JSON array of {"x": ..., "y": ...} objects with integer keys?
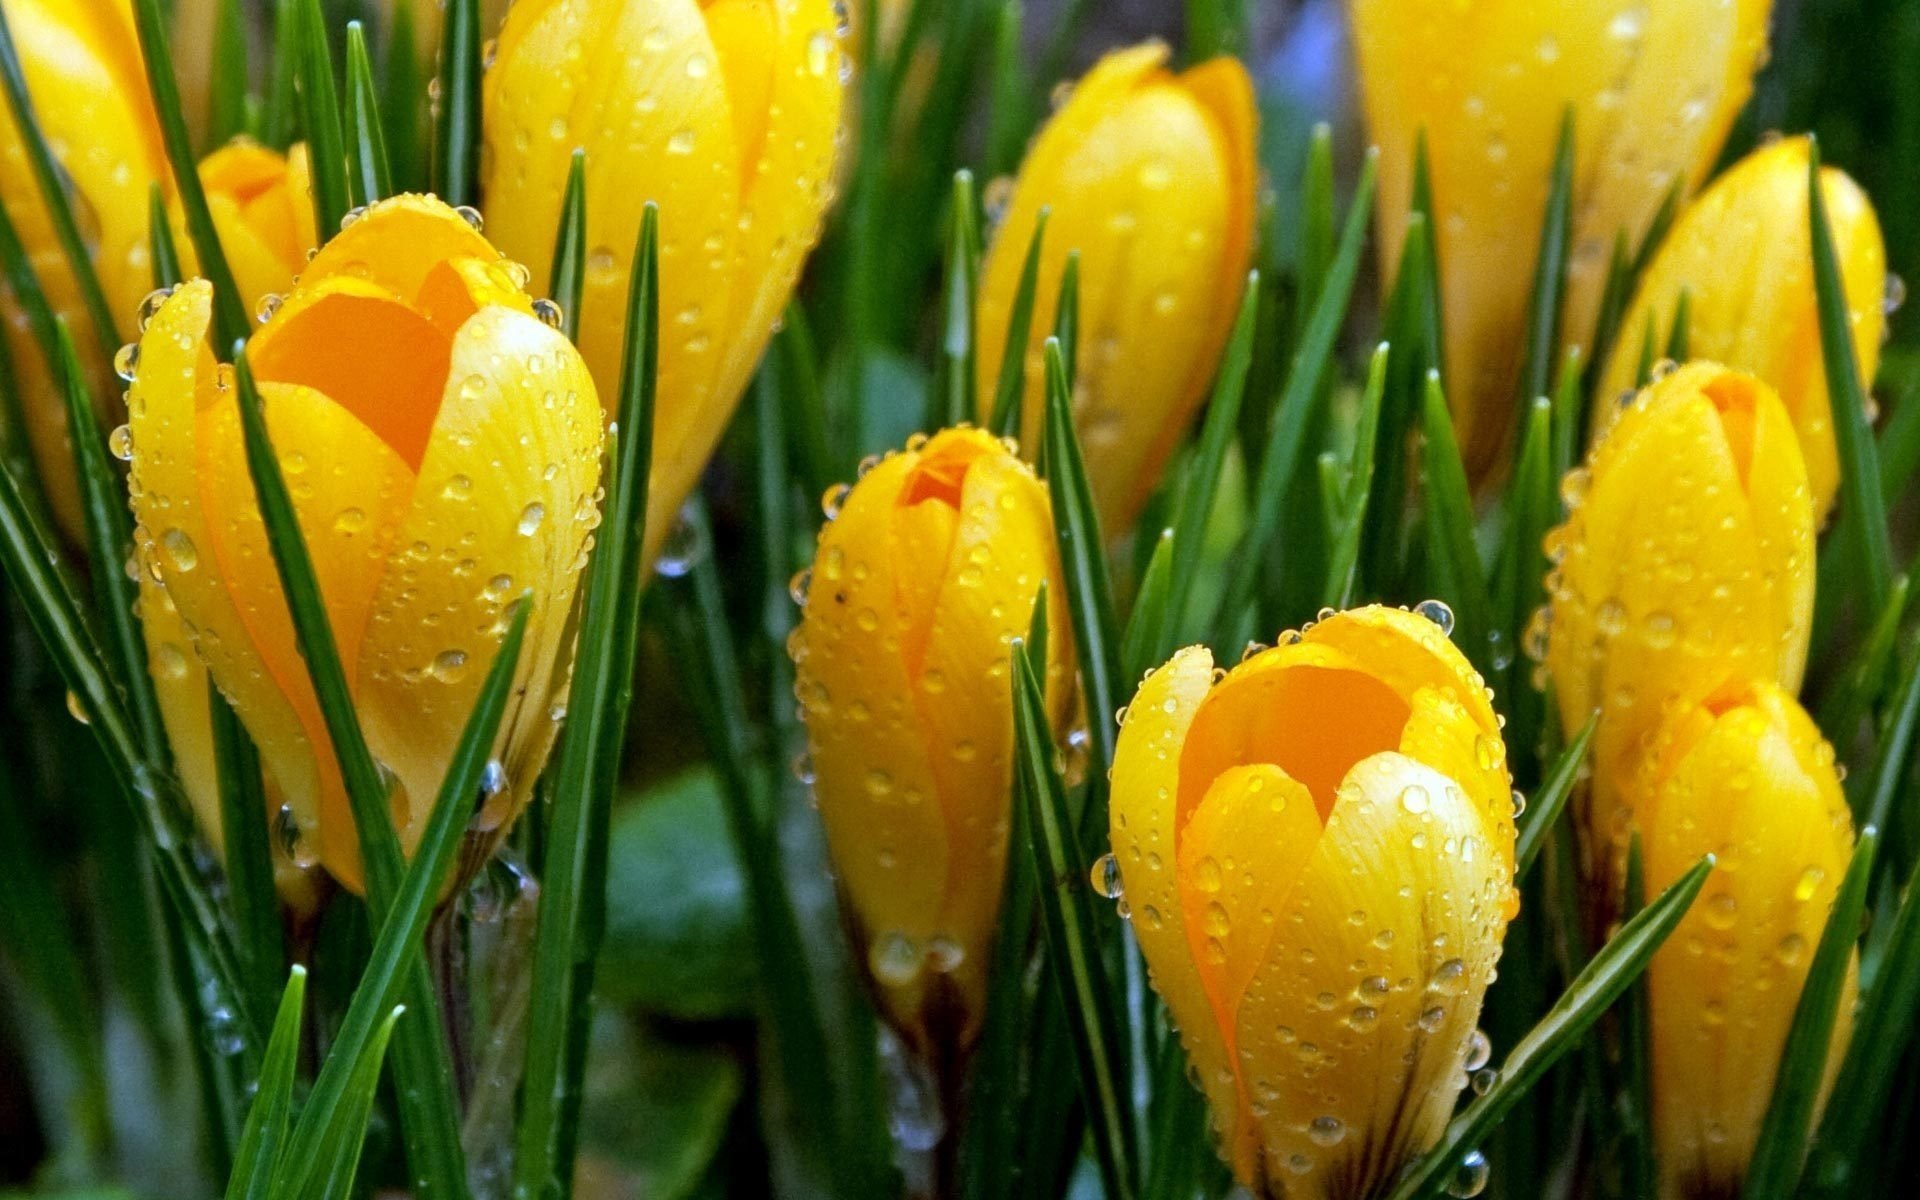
[
  {"x": 1653, "y": 86},
  {"x": 925, "y": 574},
  {"x": 725, "y": 113},
  {"x": 89, "y": 90},
  {"x": 1743, "y": 254},
  {"x": 1150, "y": 176},
  {"x": 1316, "y": 849},
  {"x": 1743, "y": 774},
  {"x": 262, "y": 206},
  {"x": 1688, "y": 555},
  {"x": 441, "y": 444}
]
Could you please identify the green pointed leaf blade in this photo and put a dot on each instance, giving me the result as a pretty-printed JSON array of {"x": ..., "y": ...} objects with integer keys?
[
  {"x": 1455, "y": 572},
  {"x": 456, "y": 136},
  {"x": 1680, "y": 334},
  {"x": 1550, "y": 272},
  {"x": 251, "y": 894},
  {"x": 227, "y": 80},
  {"x": 1066, "y": 318},
  {"x": 1774, "y": 1171},
  {"x": 1892, "y": 755},
  {"x": 567, "y": 279},
  {"x": 257, "y": 1157},
  {"x": 1860, "y": 683},
  {"x": 339, "y": 1154},
  {"x": 1543, "y": 811},
  {"x": 1145, "y": 643},
  {"x": 165, "y": 255},
  {"x": 1012, "y": 385},
  {"x": 320, "y": 113},
  {"x": 368, "y": 178},
  {"x": 1598, "y": 985},
  {"x": 953, "y": 397},
  {"x": 1073, "y": 945},
  {"x": 1350, "y": 515}
]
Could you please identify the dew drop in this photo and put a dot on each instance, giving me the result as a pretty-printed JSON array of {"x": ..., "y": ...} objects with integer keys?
[
  {"x": 126, "y": 361},
  {"x": 471, "y": 215},
  {"x": 120, "y": 443},
  {"x": 894, "y": 959},
  {"x": 1438, "y": 612},
  {"x": 530, "y": 518},
  {"x": 1106, "y": 877},
  {"x": 1326, "y": 1131},
  {"x": 180, "y": 550},
  {"x": 551, "y": 315},
  {"x": 1468, "y": 1179},
  {"x": 1479, "y": 1051}
]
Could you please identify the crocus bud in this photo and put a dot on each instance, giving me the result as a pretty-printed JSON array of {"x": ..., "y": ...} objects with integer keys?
[
  {"x": 1742, "y": 252},
  {"x": 924, "y": 575},
  {"x": 83, "y": 71},
  {"x": 1745, "y": 775},
  {"x": 1150, "y": 176},
  {"x": 441, "y": 444},
  {"x": 1316, "y": 849},
  {"x": 1688, "y": 555},
  {"x": 262, "y": 206},
  {"x": 726, "y": 113},
  {"x": 1652, "y": 85}
]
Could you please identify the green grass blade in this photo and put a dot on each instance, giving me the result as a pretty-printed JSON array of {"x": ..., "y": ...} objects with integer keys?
[
  {"x": 1649, "y": 338},
  {"x": 1454, "y": 570},
  {"x": 1145, "y": 642},
  {"x": 269, "y": 1116},
  {"x": 1774, "y": 1171},
  {"x": 227, "y": 82},
  {"x": 109, "y": 546},
  {"x": 421, "y": 1062},
  {"x": 397, "y": 947},
  {"x": 567, "y": 278},
  {"x": 820, "y": 441},
  {"x": 27, "y": 292},
  {"x": 1351, "y": 514},
  {"x": 1610, "y": 973},
  {"x": 1680, "y": 336},
  {"x": 1073, "y": 946},
  {"x": 251, "y": 895},
  {"x": 1292, "y": 415},
  {"x": 279, "y": 117},
  {"x": 1196, "y": 498},
  {"x": 1569, "y": 419},
  {"x": 165, "y": 256},
  {"x": 1066, "y": 318},
  {"x": 1012, "y": 383},
  {"x": 50, "y": 178},
  {"x": 1859, "y": 685},
  {"x": 1892, "y": 748},
  {"x": 1882, "y": 1029},
  {"x": 1543, "y": 811},
  {"x": 1613, "y": 309},
  {"x": 1550, "y": 272},
  {"x": 953, "y": 396},
  {"x": 1635, "y": 1100},
  {"x": 368, "y": 178},
  {"x": 320, "y": 114},
  {"x": 339, "y": 1154},
  {"x": 456, "y": 146},
  {"x": 403, "y": 101},
  {"x": 1863, "y": 509},
  {"x": 1519, "y": 588},
  {"x": 1083, "y": 562},
  {"x": 1010, "y": 112},
  {"x": 1217, "y": 27},
  {"x": 572, "y": 915},
  {"x": 1318, "y": 227},
  {"x": 229, "y": 307},
  {"x": 1658, "y": 228}
]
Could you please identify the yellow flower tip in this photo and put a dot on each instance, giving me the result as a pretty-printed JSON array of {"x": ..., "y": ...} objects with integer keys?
[
  {"x": 1744, "y": 773},
  {"x": 1741, "y": 252},
  {"x": 729, "y": 119},
  {"x": 1150, "y": 176},
  {"x": 441, "y": 465},
  {"x": 1687, "y": 554},
  {"x": 1279, "y": 829},
  {"x": 924, "y": 575},
  {"x": 1652, "y": 89},
  {"x": 262, "y": 206}
]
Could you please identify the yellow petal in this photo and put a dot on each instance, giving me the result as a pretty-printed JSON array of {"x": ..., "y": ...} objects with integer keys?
[
  {"x": 1149, "y": 176},
  {"x": 263, "y": 211},
  {"x": 1742, "y": 253},
  {"x": 1652, "y": 86},
  {"x": 1690, "y": 557},
  {"x": 1357, "y": 1023},
  {"x": 1745, "y": 776}
]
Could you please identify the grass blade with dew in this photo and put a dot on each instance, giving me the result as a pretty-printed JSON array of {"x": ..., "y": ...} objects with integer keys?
[
  {"x": 1351, "y": 513},
  {"x": 456, "y": 132},
  {"x": 951, "y": 398},
  {"x": 567, "y": 278},
  {"x": 320, "y": 115},
  {"x": 368, "y": 177},
  {"x": 1454, "y": 570},
  {"x": 269, "y": 1116}
]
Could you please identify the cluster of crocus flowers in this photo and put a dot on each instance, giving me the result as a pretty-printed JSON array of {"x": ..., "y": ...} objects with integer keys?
[
  {"x": 1651, "y": 86},
  {"x": 926, "y": 572},
  {"x": 1149, "y": 177},
  {"x": 83, "y": 73},
  {"x": 727, "y": 115},
  {"x": 1741, "y": 255},
  {"x": 1321, "y": 902},
  {"x": 1680, "y": 602},
  {"x": 441, "y": 444}
]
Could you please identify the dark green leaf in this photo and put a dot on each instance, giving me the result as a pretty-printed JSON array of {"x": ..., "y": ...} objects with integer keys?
[
  {"x": 1216, "y": 27},
  {"x": 1774, "y": 1170},
  {"x": 258, "y": 1155},
  {"x": 339, "y": 1151},
  {"x": 1145, "y": 642},
  {"x": 1857, "y": 687},
  {"x": 1013, "y": 359},
  {"x": 456, "y": 134},
  {"x": 320, "y": 113},
  {"x": 1066, "y": 318},
  {"x": 657, "y": 1108},
  {"x": 1611, "y": 971},
  {"x": 166, "y": 258},
  {"x": 368, "y": 178},
  {"x": 568, "y": 276},
  {"x": 1636, "y": 1032},
  {"x": 1454, "y": 570},
  {"x": 1551, "y": 796},
  {"x": 1680, "y": 334},
  {"x": 227, "y": 81},
  {"x": 1892, "y": 755},
  {"x": 573, "y": 902},
  {"x": 1864, "y": 510},
  {"x": 1550, "y": 272},
  {"x": 958, "y": 344},
  {"x": 279, "y": 121},
  {"x": 1351, "y": 513},
  {"x": 403, "y": 100},
  {"x": 1073, "y": 945},
  {"x": 251, "y": 894}
]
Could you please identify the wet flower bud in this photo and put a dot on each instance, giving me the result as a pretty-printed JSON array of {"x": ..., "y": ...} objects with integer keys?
[
  {"x": 1652, "y": 85},
  {"x": 441, "y": 445},
  {"x": 1742, "y": 253},
  {"x": 1149, "y": 175},
  {"x": 727, "y": 114},
  {"x": 924, "y": 576},
  {"x": 1743, "y": 774},
  {"x": 1317, "y": 851},
  {"x": 1690, "y": 557},
  {"x": 262, "y": 206}
]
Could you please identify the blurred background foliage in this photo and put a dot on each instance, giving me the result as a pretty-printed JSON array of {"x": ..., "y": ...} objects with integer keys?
[{"x": 91, "y": 1082}]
